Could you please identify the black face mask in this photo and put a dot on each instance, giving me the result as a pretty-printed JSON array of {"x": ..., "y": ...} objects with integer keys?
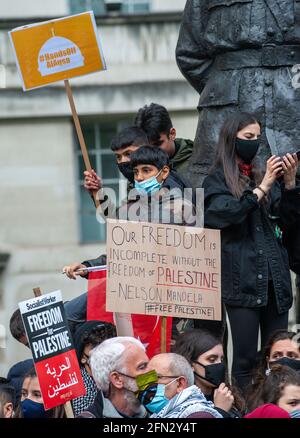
[
  {"x": 246, "y": 149},
  {"x": 214, "y": 373},
  {"x": 126, "y": 170},
  {"x": 287, "y": 361}
]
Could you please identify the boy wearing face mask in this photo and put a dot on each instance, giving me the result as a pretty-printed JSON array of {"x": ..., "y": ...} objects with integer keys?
[
  {"x": 155, "y": 197},
  {"x": 123, "y": 145}
]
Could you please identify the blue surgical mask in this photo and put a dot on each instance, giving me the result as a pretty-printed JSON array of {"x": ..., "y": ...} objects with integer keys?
[
  {"x": 150, "y": 185},
  {"x": 33, "y": 409},
  {"x": 295, "y": 413},
  {"x": 159, "y": 401}
]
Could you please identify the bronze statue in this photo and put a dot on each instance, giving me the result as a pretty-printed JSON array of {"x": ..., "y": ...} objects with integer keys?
[
  {"x": 242, "y": 55},
  {"x": 239, "y": 55}
]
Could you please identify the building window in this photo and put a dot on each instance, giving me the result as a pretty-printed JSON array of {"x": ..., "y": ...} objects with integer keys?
[
  {"x": 101, "y": 7},
  {"x": 77, "y": 6},
  {"x": 98, "y": 137},
  {"x": 135, "y": 6}
]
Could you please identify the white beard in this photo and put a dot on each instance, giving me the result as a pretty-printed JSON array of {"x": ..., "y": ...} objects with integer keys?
[{"x": 131, "y": 387}]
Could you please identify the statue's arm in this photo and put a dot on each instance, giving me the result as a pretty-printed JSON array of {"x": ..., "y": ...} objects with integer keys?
[{"x": 191, "y": 54}]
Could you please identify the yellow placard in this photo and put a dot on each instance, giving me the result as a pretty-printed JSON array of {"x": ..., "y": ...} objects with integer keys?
[{"x": 57, "y": 50}]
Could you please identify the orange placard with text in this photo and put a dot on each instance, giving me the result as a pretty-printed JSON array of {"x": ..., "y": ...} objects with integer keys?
[{"x": 57, "y": 50}]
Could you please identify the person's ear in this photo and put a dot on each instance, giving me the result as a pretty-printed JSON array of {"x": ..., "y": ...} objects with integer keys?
[
  {"x": 181, "y": 384},
  {"x": 172, "y": 134},
  {"x": 165, "y": 172},
  {"x": 116, "y": 380},
  {"x": 8, "y": 410}
]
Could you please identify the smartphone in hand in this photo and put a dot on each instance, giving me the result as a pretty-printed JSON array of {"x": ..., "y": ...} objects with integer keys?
[{"x": 297, "y": 153}]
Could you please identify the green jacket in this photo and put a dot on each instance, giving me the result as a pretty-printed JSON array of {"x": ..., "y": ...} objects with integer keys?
[{"x": 181, "y": 159}]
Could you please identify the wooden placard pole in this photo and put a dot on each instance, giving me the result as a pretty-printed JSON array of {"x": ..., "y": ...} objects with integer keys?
[
  {"x": 163, "y": 335},
  {"x": 123, "y": 322},
  {"x": 68, "y": 407},
  {"x": 37, "y": 291},
  {"x": 124, "y": 325},
  {"x": 83, "y": 147}
]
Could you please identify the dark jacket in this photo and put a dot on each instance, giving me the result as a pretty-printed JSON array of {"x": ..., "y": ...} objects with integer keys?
[
  {"x": 95, "y": 410},
  {"x": 252, "y": 255},
  {"x": 292, "y": 243},
  {"x": 103, "y": 408},
  {"x": 238, "y": 55},
  {"x": 181, "y": 159},
  {"x": 99, "y": 261}
]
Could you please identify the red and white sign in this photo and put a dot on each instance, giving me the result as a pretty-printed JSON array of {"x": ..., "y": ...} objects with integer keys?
[{"x": 52, "y": 349}]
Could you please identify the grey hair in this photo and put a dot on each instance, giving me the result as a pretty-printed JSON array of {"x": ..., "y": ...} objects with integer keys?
[
  {"x": 108, "y": 357},
  {"x": 179, "y": 366}
]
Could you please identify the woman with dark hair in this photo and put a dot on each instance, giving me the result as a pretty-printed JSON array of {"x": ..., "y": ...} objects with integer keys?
[
  {"x": 251, "y": 208},
  {"x": 32, "y": 405},
  {"x": 281, "y": 388},
  {"x": 281, "y": 349},
  {"x": 204, "y": 352}
]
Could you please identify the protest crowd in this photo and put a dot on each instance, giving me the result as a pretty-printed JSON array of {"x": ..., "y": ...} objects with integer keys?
[
  {"x": 254, "y": 209},
  {"x": 104, "y": 355}
]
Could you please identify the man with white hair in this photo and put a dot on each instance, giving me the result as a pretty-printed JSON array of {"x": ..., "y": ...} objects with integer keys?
[
  {"x": 115, "y": 364},
  {"x": 176, "y": 396}
]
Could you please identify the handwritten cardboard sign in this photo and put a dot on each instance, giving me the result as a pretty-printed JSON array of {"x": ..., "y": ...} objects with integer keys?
[
  {"x": 157, "y": 269},
  {"x": 52, "y": 349},
  {"x": 57, "y": 50}
]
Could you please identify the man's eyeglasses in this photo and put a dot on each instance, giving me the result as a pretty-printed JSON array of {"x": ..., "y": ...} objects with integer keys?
[{"x": 167, "y": 377}]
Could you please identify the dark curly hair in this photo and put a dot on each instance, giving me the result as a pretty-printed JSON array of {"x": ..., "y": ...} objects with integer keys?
[
  {"x": 279, "y": 377},
  {"x": 155, "y": 120},
  {"x": 92, "y": 333}
]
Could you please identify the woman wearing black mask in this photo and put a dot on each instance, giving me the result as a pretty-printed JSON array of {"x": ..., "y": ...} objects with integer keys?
[
  {"x": 283, "y": 348},
  {"x": 204, "y": 351},
  {"x": 251, "y": 209},
  {"x": 32, "y": 405}
]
